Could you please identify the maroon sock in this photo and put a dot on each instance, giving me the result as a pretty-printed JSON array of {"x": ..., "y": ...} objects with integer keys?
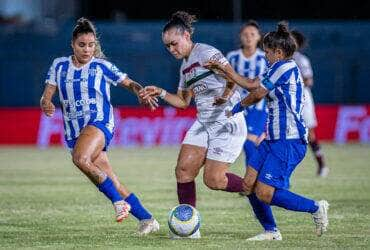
[
  {"x": 234, "y": 183},
  {"x": 186, "y": 193},
  {"x": 316, "y": 148}
]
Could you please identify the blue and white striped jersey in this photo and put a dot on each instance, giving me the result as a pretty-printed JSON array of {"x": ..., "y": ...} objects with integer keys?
[
  {"x": 252, "y": 67},
  {"x": 84, "y": 92},
  {"x": 285, "y": 101}
]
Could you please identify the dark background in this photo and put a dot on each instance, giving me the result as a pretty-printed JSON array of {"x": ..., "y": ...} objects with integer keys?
[
  {"x": 130, "y": 33},
  {"x": 228, "y": 10}
]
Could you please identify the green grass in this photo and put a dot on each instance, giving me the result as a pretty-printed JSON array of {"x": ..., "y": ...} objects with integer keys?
[{"x": 45, "y": 202}]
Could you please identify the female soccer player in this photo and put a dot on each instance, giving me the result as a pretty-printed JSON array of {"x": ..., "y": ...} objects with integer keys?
[
  {"x": 83, "y": 81},
  {"x": 213, "y": 140},
  {"x": 284, "y": 148},
  {"x": 250, "y": 61},
  {"x": 308, "y": 112}
]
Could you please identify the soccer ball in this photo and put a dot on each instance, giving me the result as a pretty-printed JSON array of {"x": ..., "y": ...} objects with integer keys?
[{"x": 184, "y": 220}]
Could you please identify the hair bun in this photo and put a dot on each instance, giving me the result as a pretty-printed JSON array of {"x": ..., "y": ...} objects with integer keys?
[{"x": 283, "y": 27}]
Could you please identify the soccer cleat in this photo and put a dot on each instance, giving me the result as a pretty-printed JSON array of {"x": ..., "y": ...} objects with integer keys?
[
  {"x": 323, "y": 172},
  {"x": 195, "y": 235},
  {"x": 320, "y": 217},
  {"x": 122, "y": 209},
  {"x": 267, "y": 235},
  {"x": 148, "y": 226}
]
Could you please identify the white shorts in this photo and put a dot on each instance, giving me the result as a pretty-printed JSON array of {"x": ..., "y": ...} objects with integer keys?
[
  {"x": 223, "y": 139},
  {"x": 308, "y": 112}
]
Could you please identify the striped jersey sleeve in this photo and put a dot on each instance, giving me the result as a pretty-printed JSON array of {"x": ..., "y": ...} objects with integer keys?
[{"x": 112, "y": 74}]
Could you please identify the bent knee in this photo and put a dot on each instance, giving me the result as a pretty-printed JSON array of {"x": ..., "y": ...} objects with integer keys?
[
  {"x": 184, "y": 173},
  {"x": 81, "y": 160},
  {"x": 264, "y": 194}
]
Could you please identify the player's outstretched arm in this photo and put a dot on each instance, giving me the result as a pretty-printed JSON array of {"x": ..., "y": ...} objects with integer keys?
[
  {"x": 45, "y": 102},
  {"x": 135, "y": 88},
  {"x": 229, "y": 73},
  {"x": 180, "y": 100},
  {"x": 252, "y": 98}
]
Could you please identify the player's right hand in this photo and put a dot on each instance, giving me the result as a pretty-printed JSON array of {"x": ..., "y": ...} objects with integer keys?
[
  {"x": 48, "y": 108},
  {"x": 149, "y": 91}
]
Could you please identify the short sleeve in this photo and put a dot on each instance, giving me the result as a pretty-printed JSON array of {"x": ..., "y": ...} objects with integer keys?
[
  {"x": 214, "y": 55},
  {"x": 51, "y": 75},
  {"x": 305, "y": 68},
  {"x": 112, "y": 73}
]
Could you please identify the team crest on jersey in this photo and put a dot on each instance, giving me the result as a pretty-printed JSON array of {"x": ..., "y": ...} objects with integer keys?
[{"x": 63, "y": 73}]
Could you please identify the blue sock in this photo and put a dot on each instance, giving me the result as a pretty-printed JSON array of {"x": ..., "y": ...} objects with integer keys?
[
  {"x": 137, "y": 209},
  {"x": 291, "y": 201},
  {"x": 107, "y": 187},
  {"x": 263, "y": 213},
  {"x": 249, "y": 149}
]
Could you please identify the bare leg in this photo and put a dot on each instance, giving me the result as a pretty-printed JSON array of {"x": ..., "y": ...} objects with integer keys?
[
  {"x": 189, "y": 162},
  {"x": 103, "y": 163},
  {"x": 88, "y": 146},
  {"x": 217, "y": 177}
]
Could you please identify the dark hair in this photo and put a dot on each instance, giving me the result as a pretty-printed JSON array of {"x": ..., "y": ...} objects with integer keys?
[
  {"x": 281, "y": 39},
  {"x": 252, "y": 23},
  {"x": 299, "y": 38},
  {"x": 85, "y": 26},
  {"x": 182, "y": 21}
]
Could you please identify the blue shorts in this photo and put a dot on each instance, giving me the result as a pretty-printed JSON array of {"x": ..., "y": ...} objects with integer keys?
[
  {"x": 256, "y": 121},
  {"x": 276, "y": 160},
  {"x": 107, "y": 135}
]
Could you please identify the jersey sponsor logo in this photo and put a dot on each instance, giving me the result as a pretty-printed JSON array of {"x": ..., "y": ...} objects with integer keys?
[
  {"x": 92, "y": 72},
  {"x": 78, "y": 103},
  {"x": 200, "y": 88},
  {"x": 79, "y": 114},
  {"x": 80, "y": 80}
]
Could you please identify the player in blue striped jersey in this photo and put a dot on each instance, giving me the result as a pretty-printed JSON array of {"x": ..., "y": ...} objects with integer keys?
[
  {"x": 284, "y": 148},
  {"x": 250, "y": 61},
  {"x": 83, "y": 82}
]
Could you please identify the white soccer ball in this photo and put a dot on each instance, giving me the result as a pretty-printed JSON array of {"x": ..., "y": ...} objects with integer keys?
[{"x": 184, "y": 220}]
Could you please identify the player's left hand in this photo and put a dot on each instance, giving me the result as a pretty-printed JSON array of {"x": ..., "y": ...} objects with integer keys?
[{"x": 219, "y": 100}]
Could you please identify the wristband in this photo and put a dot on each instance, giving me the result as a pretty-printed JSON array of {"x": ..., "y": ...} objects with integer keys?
[{"x": 162, "y": 94}]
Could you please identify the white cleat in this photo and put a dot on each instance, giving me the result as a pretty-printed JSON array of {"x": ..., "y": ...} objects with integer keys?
[
  {"x": 267, "y": 235},
  {"x": 320, "y": 217},
  {"x": 122, "y": 209},
  {"x": 195, "y": 235},
  {"x": 324, "y": 172},
  {"x": 148, "y": 226}
]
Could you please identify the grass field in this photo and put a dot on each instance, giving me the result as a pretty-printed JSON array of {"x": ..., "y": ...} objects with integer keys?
[{"x": 45, "y": 202}]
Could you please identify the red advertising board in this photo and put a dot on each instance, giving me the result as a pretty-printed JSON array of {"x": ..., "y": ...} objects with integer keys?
[{"x": 136, "y": 126}]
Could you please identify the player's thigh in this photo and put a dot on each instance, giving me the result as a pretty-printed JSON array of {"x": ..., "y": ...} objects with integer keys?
[
  {"x": 89, "y": 144},
  {"x": 190, "y": 160},
  {"x": 226, "y": 139}
]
